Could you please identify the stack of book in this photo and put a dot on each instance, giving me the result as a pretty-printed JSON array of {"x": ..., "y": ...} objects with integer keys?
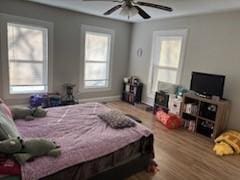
[{"x": 190, "y": 108}]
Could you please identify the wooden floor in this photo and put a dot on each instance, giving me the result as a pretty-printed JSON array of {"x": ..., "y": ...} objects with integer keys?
[{"x": 182, "y": 155}]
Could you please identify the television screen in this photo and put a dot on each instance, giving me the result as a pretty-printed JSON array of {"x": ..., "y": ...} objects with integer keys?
[{"x": 207, "y": 84}]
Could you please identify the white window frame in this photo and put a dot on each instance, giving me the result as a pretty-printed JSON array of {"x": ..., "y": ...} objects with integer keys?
[
  {"x": 44, "y": 62},
  {"x": 168, "y": 33},
  {"x": 9, "y": 19},
  {"x": 97, "y": 30}
]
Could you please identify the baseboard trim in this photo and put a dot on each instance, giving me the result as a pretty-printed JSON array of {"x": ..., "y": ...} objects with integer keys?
[{"x": 101, "y": 99}]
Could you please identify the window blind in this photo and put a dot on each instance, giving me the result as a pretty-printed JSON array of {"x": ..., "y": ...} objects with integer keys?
[
  {"x": 167, "y": 59},
  {"x": 97, "y": 57},
  {"x": 27, "y": 57}
]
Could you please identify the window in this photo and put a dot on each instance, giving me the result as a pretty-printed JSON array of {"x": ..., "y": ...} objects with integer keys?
[
  {"x": 97, "y": 58},
  {"x": 27, "y": 58},
  {"x": 167, "y": 57}
]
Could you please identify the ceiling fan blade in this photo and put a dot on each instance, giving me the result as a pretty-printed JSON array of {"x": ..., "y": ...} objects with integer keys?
[
  {"x": 110, "y": 11},
  {"x": 142, "y": 13},
  {"x": 165, "y": 8}
]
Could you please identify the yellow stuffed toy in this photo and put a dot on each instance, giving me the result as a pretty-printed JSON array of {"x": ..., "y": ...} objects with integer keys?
[
  {"x": 223, "y": 148},
  {"x": 227, "y": 143}
]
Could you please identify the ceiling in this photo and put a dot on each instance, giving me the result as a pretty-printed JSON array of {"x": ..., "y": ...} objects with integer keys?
[{"x": 180, "y": 7}]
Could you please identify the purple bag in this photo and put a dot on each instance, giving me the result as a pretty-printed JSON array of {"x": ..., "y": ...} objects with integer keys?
[{"x": 36, "y": 100}]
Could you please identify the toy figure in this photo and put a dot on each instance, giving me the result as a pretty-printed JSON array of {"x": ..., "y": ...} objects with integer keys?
[{"x": 28, "y": 150}]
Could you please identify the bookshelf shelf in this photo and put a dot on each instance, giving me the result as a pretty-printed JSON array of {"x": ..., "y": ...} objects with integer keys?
[
  {"x": 132, "y": 93},
  {"x": 205, "y": 116},
  {"x": 194, "y": 115},
  {"x": 205, "y": 119}
]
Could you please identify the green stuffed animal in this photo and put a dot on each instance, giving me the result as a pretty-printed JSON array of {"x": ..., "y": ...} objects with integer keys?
[
  {"x": 19, "y": 112},
  {"x": 39, "y": 112},
  {"x": 10, "y": 146},
  {"x": 28, "y": 114},
  {"x": 28, "y": 150}
]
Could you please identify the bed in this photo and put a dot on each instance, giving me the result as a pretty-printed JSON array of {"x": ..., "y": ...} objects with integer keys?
[{"x": 90, "y": 148}]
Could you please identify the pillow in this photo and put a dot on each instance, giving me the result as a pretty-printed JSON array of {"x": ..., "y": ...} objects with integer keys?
[
  {"x": 9, "y": 167},
  {"x": 116, "y": 119},
  {"x": 7, "y": 125},
  {"x": 8, "y": 128},
  {"x": 5, "y": 109}
]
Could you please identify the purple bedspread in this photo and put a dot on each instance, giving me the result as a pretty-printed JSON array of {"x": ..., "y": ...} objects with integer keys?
[{"x": 82, "y": 135}]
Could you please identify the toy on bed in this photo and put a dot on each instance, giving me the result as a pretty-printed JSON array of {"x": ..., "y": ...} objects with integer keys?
[
  {"x": 27, "y": 113},
  {"x": 27, "y": 150},
  {"x": 227, "y": 143}
]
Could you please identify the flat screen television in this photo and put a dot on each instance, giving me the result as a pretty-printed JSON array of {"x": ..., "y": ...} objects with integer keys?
[{"x": 207, "y": 84}]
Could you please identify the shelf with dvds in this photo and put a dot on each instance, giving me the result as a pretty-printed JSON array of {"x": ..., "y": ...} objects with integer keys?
[
  {"x": 132, "y": 93},
  {"x": 204, "y": 116}
]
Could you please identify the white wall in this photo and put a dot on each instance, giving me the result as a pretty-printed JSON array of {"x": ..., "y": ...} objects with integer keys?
[
  {"x": 66, "y": 63},
  {"x": 213, "y": 46}
]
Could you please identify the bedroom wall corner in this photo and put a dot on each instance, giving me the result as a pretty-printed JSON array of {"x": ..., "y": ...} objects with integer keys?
[
  {"x": 213, "y": 47},
  {"x": 66, "y": 63}
]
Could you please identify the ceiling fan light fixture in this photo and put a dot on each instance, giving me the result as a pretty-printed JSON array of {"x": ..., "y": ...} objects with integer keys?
[
  {"x": 133, "y": 12},
  {"x": 128, "y": 12},
  {"x": 130, "y": 8},
  {"x": 124, "y": 11}
]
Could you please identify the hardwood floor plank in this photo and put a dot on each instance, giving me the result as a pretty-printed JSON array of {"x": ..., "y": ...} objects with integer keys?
[{"x": 181, "y": 155}]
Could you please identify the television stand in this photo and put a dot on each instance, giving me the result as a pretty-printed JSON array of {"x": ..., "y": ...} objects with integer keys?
[
  {"x": 203, "y": 96},
  {"x": 204, "y": 116}
]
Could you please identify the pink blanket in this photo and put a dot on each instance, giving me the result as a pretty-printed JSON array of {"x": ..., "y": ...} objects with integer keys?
[{"x": 82, "y": 135}]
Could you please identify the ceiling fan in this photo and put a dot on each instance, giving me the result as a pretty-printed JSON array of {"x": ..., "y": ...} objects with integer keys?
[{"x": 131, "y": 8}]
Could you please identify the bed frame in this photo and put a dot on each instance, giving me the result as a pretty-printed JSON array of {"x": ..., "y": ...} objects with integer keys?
[
  {"x": 118, "y": 172},
  {"x": 125, "y": 170},
  {"x": 121, "y": 169}
]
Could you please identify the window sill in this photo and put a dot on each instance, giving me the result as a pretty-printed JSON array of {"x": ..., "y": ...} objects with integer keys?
[
  {"x": 88, "y": 90},
  {"x": 22, "y": 95},
  {"x": 26, "y": 93}
]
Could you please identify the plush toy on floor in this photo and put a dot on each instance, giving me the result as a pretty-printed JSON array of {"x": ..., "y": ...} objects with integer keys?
[
  {"x": 152, "y": 167},
  {"x": 223, "y": 148},
  {"x": 28, "y": 150},
  {"x": 227, "y": 143}
]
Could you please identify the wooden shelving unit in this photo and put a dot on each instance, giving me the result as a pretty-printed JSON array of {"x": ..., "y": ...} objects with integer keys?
[
  {"x": 132, "y": 93},
  {"x": 209, "y": 116}
]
